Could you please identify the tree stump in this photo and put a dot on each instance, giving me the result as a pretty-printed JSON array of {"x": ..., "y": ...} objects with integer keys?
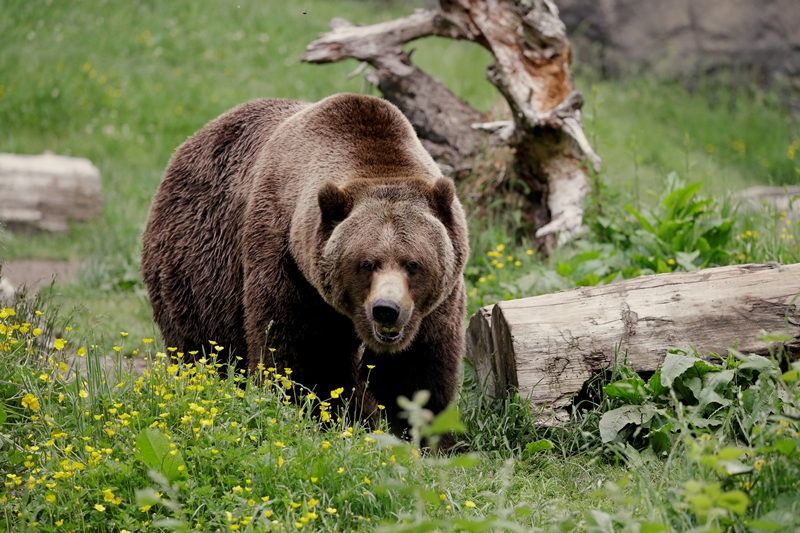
[
  {"x": 548, "y": 346},
  {"x": 43, "y": 192},
  {"x": 529, "y": 42}
]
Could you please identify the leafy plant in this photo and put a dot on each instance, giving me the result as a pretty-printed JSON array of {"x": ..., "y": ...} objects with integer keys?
[
  {"x": 682, "y": 230},
  {"x": 733, "y": 429}
]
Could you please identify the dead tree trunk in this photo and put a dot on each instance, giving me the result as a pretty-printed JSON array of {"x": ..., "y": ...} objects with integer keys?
[
  {"x": 532, "y": 73},
  {"x": 548, "y": 346}
]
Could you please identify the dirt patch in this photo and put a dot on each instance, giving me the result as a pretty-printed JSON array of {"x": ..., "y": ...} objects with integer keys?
[{"x": 37, "y": 274}]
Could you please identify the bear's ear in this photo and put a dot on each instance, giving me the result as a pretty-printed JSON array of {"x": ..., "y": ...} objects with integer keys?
[
  {"x": 334, "y": 204},
  {"x": 442, "y": 195}
]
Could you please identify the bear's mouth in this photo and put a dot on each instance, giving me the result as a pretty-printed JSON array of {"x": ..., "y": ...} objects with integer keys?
[{"x": 388, "y": 333}]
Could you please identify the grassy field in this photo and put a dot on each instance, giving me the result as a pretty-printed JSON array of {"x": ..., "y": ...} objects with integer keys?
[{"x": 123, "y": 84}]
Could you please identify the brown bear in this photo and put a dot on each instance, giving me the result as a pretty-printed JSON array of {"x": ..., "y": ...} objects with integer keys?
[{"x": 323, "y": 231}]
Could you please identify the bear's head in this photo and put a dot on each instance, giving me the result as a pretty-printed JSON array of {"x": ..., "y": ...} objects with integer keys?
[{"x": 391, "y": 254}]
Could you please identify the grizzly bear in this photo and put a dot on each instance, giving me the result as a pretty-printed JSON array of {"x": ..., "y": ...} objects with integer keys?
[{"x": 320, "y": 237}]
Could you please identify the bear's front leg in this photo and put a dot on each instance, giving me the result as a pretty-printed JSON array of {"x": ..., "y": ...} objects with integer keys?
[
  {"x": 289, "y": 325},
  {"x": 432, "y": 362}
]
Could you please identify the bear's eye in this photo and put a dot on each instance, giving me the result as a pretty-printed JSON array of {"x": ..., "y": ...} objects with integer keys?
[
  {"x": 412, "y": 267},
  {"x": 369, "y": 266}
]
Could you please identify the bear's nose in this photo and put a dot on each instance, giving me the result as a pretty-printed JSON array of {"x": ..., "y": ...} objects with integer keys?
[{"x": 385, "y": 311}]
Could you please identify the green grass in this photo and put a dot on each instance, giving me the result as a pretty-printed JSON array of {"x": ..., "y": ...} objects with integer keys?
[
  {"x": 726, "y": 138},
  {"x": 87, "y": 444}
]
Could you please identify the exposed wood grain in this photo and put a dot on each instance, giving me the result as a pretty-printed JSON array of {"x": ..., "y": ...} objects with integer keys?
[
  {"x": 548, "y": 346},
  {"x": 480, "y": 349}
]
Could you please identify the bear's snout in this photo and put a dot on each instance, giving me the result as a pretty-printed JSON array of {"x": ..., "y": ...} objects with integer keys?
[
  {"x": 386, "y": 312},
  {"x": 389, "y": 307}
]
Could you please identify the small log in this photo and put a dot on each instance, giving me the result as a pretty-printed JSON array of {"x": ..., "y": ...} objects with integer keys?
[
  {"x": 43, "y": 192},
  {"x": 548, "y": 346},
  {"x": 786, "y": 198}
]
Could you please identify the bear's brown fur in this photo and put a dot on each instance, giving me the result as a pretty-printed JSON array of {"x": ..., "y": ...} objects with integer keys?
[{"x": 324, "y": 231}]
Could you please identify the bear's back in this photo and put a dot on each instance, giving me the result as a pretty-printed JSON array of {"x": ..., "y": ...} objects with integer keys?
[
  {"x": 190, "y": 259},
  {"x": 355, "y": 135}
]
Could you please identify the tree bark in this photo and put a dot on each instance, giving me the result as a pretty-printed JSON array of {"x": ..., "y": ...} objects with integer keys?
[
  {"x": 532, "y": 73},
  {"x": 548, "y": 346}
]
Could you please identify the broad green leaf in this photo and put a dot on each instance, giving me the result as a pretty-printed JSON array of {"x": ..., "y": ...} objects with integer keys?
[
  {"x": 694, "y": 384},
  {"x": 764, "y": 525},
  {"x": 687, "y": 260},
  {"x": 709, "y": 396},
  {"x": 662, "y": 267},
  {"x": 631, "y": 390},
  {"x": 147, "y": 496},
  {"x": 522, "y": 510},
  {"x": 652, "y": 527},
  {"x": 704, "y": 367},
  {"x": 466, "y": 460},
  {"x": 601, "y": 521},
  {"x": 654, "y": 383},
  {"x": 387, "y": 439},
  {"x": 733, "y": 468},
  {"x": 484, "y": 523},
  {"x": 735, "y": 501},
  {"x": 172, "y": 524},
  {"x": 659, "y": 440},
  {"x": 729, "y": 453},
  {"x": 648, "y": 411},
  {"x": 786, "y": 447},
  {"x": 445, "y": 422},
  {"x": 526, "y": 282},
  {"x": 154, "y": 450},
  {"x": 788, "y": 377},
  {"x": 642, "y": 220},
  {"x": 3, "y": 415},
  {"x": 718, "y": 380},
  {"x": 429, "y": 495},
  {"x": 756, "y": 362},
  {"x": 16, "y": 457},
  {"x": 673, "y": 366},
  {"x": 539, "y": 446},
  {"x": 613, "y": 421},
  {"x": 701, "y": 422}
]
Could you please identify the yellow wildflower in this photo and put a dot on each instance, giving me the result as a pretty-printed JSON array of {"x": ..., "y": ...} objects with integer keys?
[{"x": 29, "y": 401}]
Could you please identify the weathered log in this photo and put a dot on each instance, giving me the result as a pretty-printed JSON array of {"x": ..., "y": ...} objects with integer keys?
[
  {"x": 548, "y": 346},
  {"x": 786, "y": 198},
  {"x": 533, "y": 54},
  {"x": 43, "y": 192}
]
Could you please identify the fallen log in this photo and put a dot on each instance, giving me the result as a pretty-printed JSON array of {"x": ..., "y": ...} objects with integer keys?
[
  {"x": 548, "y": 346},
  {"x": 44, "y": 192}
]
